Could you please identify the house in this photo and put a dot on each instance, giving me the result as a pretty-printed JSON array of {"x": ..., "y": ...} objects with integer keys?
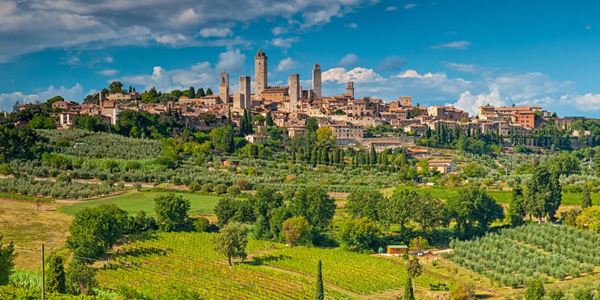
[
  {"x": 444, "y": 166},
  {"x": 397, "y": 249}
]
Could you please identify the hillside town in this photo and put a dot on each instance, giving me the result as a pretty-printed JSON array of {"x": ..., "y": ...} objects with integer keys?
[{"x": 348, "y": 116}]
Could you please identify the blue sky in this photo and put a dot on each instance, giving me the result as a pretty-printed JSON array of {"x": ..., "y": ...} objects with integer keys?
[{"x": 466, "y": 53}]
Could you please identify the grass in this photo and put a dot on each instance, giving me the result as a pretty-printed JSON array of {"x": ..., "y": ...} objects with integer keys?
[
  {"x": 155, "y": 266},
  {"x": 28, "y": 198},
  {"x": 134, "y": 201},
  {"x": 28, "y": 228}
]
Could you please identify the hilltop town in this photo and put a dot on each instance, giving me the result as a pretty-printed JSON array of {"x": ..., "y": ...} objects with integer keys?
[{"x": 289, "y": 107}]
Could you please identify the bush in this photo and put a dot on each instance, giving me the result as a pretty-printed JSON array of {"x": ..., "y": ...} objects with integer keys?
[
  {"x": 207, "y": 187},
  {"x": 172, "y": 212},
  {"x": 296, "y": 231},
  {"x": 201, "y": 224},
  {"x": 5, "y": 169},
  {"x": 220, "y": 189},
  {"x": 358, "y": 234},
  {"x": 233, "y": 191},
  {"x": 463, "y": 291}
]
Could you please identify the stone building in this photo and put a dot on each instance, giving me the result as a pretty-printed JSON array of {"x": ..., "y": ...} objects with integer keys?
[
  {"x": 316, "y": 80},
  {"x": 244, "y": 100},
  {"x": 260, "y": 73},
  {"x": 294, "y": 90},
  {"x": 350, "y": 89},
  {"x": 224, "y": 87}
]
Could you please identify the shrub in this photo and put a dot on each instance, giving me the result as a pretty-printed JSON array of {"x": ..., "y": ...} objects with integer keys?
[
  {"x": 233, "y": 191},
  {"x": 220, "y": 189},
  {"x": 296, "y": 231},
  {"x": 172, "y": 212},
  {"x": 358, "y": 234},
  {"x": 201, "y": 224}
]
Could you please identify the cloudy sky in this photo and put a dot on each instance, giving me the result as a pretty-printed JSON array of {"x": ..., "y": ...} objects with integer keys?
[{"x": 466, "y": 53}]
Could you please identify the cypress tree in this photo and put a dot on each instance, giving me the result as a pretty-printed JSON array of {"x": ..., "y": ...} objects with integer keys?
[
  {"x": 320, "y": 289},
  {"x": 408, "y": 289},
  {"x": 56, "y": 277},
  {"x": 587, "y": 198},
  {"x": 192, "y": 92},
  {"x": 200, "y": 93},
  {"x": 269, "y": 119}
]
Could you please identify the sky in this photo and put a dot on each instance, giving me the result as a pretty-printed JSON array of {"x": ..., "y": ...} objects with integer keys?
[{"x": 463, "y": 53}]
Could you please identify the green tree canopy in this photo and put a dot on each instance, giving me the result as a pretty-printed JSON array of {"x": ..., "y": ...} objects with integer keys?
[
  {"x": 232, "y": 241},
  {"x": 171, "y": 212}
]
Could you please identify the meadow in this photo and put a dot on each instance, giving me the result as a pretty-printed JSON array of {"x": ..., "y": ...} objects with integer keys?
[{"x": 134, "y": 201}]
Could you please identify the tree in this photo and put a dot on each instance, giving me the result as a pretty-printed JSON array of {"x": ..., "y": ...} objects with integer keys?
[
  {"x": 115, "y": 87},
  {"x": 232, "y": 241},
  {"x": 556, "y": 294},
  {"x": 192, "y": 92},
  {"x": 7, "y": 258},
  {"x": 589, "y": 219},
  {"x": 312, "y": 124},
  {"x": 18, "y": 142},
  {"x": 516, "y": 211},
  {"x": 399, "y": 208},
  {"x": 463, "y": 291},
  {"x": 265, "y": 200},
  {"x": 408, "y": 289},
  {"x": 320, "y": 289},
  {"x": 472, "y": 209},
  {"x": 222, "y": 138},
  {"x": 171, "y": 212},
  {"x": 91, "y": 123},
  {"x": 200, "y": 93},
  {"x": 80, "y": 278},
  {"x": 543, "y": 194},
  {"x": 315, "y": 206},
  {"x": 325, "y": 137},
  {"x": 534, "y": 290},
  {"x": 587, "y": 198},
  {"x": 414, "y": 268},
  {"x": 209, "y": 92},
  {"x": 364, "y": 203},
  {"x": 55, "y": 275},
  {"x": 296, "y": 231},
  {"x": 583, "y": 294},
  {"x": 269, "y": 119},
  {"x": 430, "y": 213},
  {"x": 95, "y": 230},
  {"x": 358, "y": 234}
]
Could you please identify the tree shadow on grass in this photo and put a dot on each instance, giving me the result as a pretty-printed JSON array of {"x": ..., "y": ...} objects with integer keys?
[{"x": 261, "y": 260}]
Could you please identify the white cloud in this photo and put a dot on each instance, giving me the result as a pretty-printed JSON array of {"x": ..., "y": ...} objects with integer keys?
[
  {"x": 588, "y": 102},
  {"x": 8, "y": 100},
  {"x": 349, "y": 60},
  {"x": 357, "y": 75},
  {"x": 391, "y": 8},
  {"x": 467, "y": 68},
  {"x": 286, "y": 64},
  {"x": 108, "y": 72},
  {"x": 409, "y": 6},
  {"x": 284, "y": 42},
  {"x": 200, "y": 75},
  {"x": 231, "y": 60},
  {"x": 32, "y": 26},
  {"x": 453, "y": 45},
  {"x": 216, "y": 32},
  {"x": 352, "y": 25},
  {"x": 109, "y": 59},
  {"x": 278, "y": 30},
  {"x": 471, "y": 103},
  {"x": 171, "y": 39}
]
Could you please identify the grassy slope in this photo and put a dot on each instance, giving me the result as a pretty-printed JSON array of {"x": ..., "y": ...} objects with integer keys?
[
  {"x": 28, "y": 228},
  {"x": 271, "y": 271},
  {"x": 134, "y": 201}
]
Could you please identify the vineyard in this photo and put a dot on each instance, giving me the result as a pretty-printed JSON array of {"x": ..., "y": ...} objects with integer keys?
[
  {"x": 154, "y": 266},
  {"x": 514, "y": 256}
]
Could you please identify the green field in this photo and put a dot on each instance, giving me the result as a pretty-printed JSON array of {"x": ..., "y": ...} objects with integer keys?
[
  {"x": 272, "y": 271},
  {"x": 134, "y": 201}
]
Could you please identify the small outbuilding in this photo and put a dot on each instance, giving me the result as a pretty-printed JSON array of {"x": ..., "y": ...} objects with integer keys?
[{"x": 397, "y": 249}]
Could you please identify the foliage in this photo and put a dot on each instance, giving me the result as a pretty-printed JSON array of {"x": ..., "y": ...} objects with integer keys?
[
  {"x": 473, "y": 209},
  {"x": 18, "y": 142},
  {"x": 80, "y": 278},
  {"x": 55, "y": 275},
  {"x": 543, "y": 193},
  {"x": 171, "y": 212},
  {"x": 91, "y": 123},
  {"x": 358, "y": 234},
  {"x": 535, "y": 290},
  {"x": 414, "y": 268},
  {"x": 463, "y": 291},
  {"x": 315, "y": 206},
  {"x": 140, "y": 222},
  {"x": 589, "y": 219},
  {"x": 94, "y": 230},
  {"x": 201, "y": 224},
  {"x": 364, "y": 203},
  {"x": 7, "y": 257},
  {"x": 296, "y": 231},
  {"x": 408, "y": 290},
  {"x": 320, "y": 290},
  {"x": 232, "y": 241}
]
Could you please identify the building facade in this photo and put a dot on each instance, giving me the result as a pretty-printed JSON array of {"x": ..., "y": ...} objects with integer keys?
[{"x": 260, "y": 72}]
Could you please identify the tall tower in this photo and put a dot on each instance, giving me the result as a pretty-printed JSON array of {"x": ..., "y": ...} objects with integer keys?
[
  {"x": 316, "y": 80},
  {"x": 294, "y": 90},
  {"x": 260, "y": 72},
  {"x": 245, "y": 100},
  {"x": 224, "y": 87},
  {"x": 350, "y": 89}
]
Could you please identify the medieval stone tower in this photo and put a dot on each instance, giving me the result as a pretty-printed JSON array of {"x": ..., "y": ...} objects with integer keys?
[
  {"x": 224, "y": 87},
  {"x": 260, "y": 72},
  {"x": 350, "y": 89},
  {"x": 245, "y": 102},
  {"x": 316, "y": 80},
  {"x": 294, "y": 90}
]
